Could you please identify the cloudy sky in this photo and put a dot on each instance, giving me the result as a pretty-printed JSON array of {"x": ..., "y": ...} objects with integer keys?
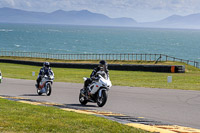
[{"x": 140, "y": 10}]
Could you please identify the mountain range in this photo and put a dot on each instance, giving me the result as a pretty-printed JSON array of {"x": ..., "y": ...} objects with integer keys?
[
  {"x": 85, "y": 17},
  {"x": 176, "y": 21}
]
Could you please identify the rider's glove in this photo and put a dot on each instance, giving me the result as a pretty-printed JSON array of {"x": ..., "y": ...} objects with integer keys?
[{"x": 93, "y": 77}]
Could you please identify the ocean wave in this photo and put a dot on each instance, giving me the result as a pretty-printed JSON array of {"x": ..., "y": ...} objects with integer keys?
[
  {"x": 5, "y": 30},
  {"x": 176, "y": 44},
  {"x": 52, "y": 30},
  {"x": 17, "y": 45},
  {"x": 59, "y": 49}
]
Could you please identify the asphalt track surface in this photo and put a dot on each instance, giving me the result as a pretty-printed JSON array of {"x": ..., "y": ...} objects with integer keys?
[{"x": 178, "y": 107}]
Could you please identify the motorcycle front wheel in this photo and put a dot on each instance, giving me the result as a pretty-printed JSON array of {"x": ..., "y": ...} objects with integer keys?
[
  {"x": 102, "y": 100},
  {"x": 48, "y": 89}
]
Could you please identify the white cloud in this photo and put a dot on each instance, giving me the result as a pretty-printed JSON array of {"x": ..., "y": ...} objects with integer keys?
[{"x": 11, "y": 2}]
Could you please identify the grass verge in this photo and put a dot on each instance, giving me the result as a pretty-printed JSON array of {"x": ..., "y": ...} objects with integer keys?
[
  {"x": 187, "y": 81},
  {"x": 20, "y": 117}
]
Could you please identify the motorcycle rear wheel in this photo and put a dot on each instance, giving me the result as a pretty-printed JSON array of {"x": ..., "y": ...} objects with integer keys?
[
  {"x": 38, "y": 92},
  {"x": 82, "y": 99}
]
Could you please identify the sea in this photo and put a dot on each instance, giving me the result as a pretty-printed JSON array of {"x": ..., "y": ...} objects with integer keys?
[{"x": 69, "y": 39}]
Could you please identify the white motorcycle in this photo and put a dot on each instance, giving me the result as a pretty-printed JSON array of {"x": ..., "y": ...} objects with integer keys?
[
  {"x": 97, "y": 90},
  {"x": 45, "y": 85}
]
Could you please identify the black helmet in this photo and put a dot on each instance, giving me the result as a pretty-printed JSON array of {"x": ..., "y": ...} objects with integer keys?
[
  {"x": 103, "y": 63},
  {"x": 46, "y": 64}
]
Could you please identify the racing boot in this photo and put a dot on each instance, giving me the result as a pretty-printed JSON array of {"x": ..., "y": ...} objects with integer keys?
[{"x": 37, "y": 85}]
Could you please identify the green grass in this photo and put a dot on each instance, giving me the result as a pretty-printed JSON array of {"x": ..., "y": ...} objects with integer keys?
[
  {"x": 20, "y": 117},
  {"x": 187, "y": 81}
]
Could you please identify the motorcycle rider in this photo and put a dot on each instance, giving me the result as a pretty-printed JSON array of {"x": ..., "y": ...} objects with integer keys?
[
  {"x": 101, "y": 67},
  {"x": 45, "y": 70}
]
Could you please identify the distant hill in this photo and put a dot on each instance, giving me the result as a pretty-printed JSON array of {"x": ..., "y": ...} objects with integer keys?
[
  {"x": 193, "y": 19},
  {"x": 83, "y": 17},
  {"x": 176, "y": 21}
]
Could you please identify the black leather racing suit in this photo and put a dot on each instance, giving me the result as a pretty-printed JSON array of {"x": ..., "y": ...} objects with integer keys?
[{"x": 92, "y": 76}]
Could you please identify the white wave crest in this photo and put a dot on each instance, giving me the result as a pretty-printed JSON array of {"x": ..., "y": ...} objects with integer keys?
[
  {"x": 52, "y": 30},
  {"x": 17, "y": 45},
  {"x": 5, "y": 30}
]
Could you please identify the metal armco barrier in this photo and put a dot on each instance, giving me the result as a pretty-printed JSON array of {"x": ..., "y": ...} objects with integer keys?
[
  {"x": 124, "y": 67},
  {"x": 120, "y": 57}
]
